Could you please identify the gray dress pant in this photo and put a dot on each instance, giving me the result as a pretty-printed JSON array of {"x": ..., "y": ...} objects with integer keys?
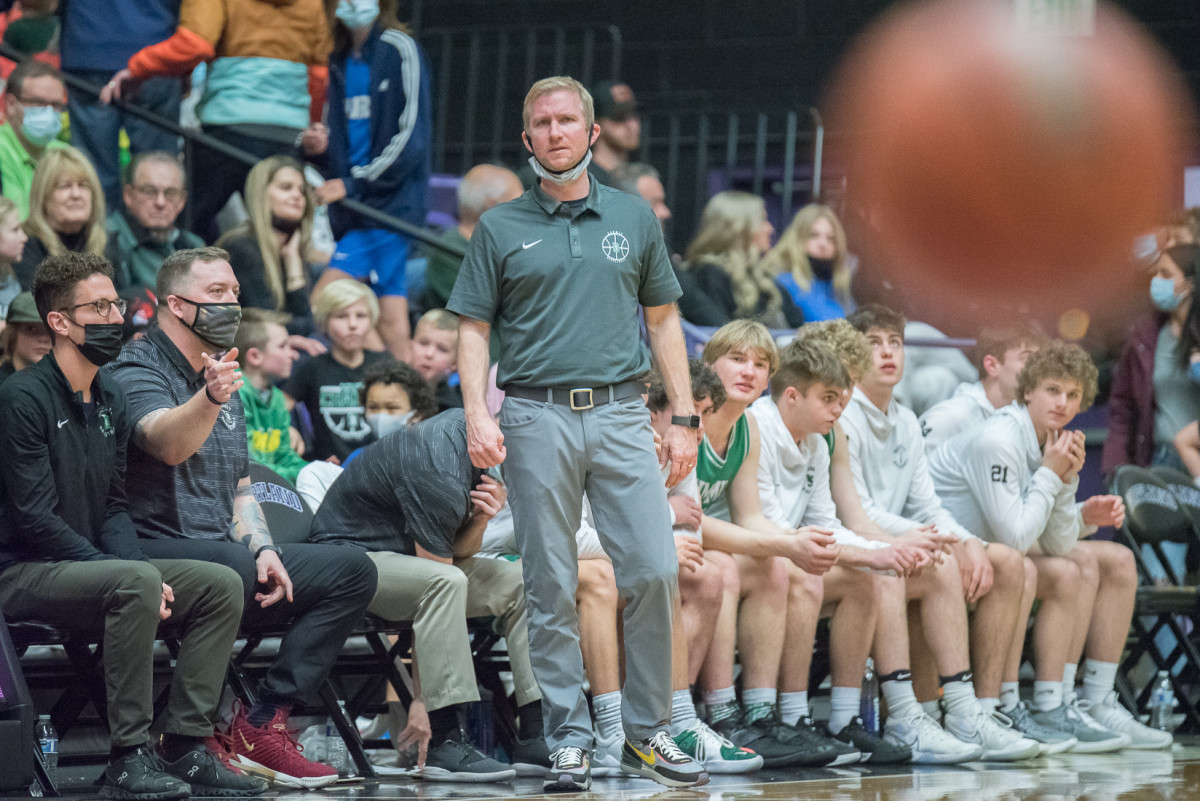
[{"x": 555, "y": 455}]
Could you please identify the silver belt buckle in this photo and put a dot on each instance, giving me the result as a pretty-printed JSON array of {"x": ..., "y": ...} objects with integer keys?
[{"x": 588, "y": 404}]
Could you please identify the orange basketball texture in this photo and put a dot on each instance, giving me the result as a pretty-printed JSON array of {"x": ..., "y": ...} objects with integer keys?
[{"x": 1006, "y": 168}]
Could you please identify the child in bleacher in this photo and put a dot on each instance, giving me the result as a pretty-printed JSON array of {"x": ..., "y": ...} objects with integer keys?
[
  {"x": 328, "y": 385},
  {"x": 265, "y": 358},
  {"x": 435, "y": 353},
  {"x": 12, "y": 246}
]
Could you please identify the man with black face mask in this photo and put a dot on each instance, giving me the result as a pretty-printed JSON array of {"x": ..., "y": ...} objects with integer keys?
[
  {"x": 69, "y": 554},
  {"x": 191, "y": 497}
]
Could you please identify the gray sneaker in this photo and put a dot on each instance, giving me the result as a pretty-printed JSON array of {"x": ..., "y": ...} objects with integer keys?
[
  {"x": 570, "y": 771},
  {"x": 1052, "y": 740},
  {"x": 456, "y": 759},
  {"x": 1091, "y": 737}
]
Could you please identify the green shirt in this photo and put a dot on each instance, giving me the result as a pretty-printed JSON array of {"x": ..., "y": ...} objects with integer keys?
[
  {"x": 562, "y": 290},
  {"x": 267, "y": 427},
  {"x": 16, "y": 167},
  {"x": 442, "y": 269},
  {"x": 714, "y": 472}
]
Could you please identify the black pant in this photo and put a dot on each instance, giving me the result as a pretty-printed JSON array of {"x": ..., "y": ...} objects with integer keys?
[
  {"x": 215, "y": 176},
  {"x": 332, "y": 586}
]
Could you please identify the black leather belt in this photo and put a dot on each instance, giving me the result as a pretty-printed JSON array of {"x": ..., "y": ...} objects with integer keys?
[{"x": 581, "y": 398}]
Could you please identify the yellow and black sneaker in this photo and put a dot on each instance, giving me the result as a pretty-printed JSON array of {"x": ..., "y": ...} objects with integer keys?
[{"x": 661, "y": 760}]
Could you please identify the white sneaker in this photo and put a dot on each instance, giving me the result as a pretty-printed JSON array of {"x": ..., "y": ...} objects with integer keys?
[
  {"x": 993, "y": 733},
  {"x": 716, "y": 753},
  {"x": 606, "y": 756},
  {"x": 929, "y": 743},
  {"x": 1114, "y": 717},
  {"x": 1091, "y": 737}
]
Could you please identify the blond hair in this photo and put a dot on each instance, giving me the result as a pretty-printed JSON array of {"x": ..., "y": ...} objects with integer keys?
[
  {"x": 258, "y": 209},
  {"x": 845, "y": 340},
  {"x": 54, "y": 165},
  {"x": 7, "y": 207},
  {"x": 339, "y": 294},
  {"x": 726, "y": 239},
  {"x": 559, "y": 83},
  {"x": 790, "y": 254},
  {"x": 742, "y": 335},
  {"x": 440, "y": 319}
]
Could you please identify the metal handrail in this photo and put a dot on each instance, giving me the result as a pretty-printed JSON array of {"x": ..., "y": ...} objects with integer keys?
[{"x": 192, "y": 137}]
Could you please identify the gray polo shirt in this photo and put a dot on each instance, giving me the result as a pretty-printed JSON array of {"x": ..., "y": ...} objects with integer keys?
[
  {"x": 561, "y": 290},
  {"x": 195, "y": 498}
]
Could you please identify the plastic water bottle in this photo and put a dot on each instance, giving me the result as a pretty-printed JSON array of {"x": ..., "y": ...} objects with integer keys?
[
  {"x": 336, "y": 754},
  {"x": 47, "y": 738},
  {"x": 1162, "y": 703},
  {"x": 869, "y": 705}
]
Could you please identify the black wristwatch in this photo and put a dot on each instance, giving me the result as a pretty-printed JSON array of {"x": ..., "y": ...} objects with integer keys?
[
  {"x": 274, "y": 548},
  {"x": 688, "y": 421}
]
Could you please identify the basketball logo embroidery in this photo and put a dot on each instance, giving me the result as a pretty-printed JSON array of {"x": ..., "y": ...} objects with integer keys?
[{"x": 615, "y": 246}]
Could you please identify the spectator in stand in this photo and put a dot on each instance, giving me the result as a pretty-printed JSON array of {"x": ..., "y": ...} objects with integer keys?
[
  {"x": 328, "y": 384},
  {"x": 265, "y": 359},
  {"x": 33, "y": 106},
  {"x": 66, "y": 211},
  {"x": 270, "y": 252},
  {"x": 1152, "y": 397},
  {"x": 143, "y": 233},
  {"x": 620, "y": 130},
  {"x": 265, "y": 84},
  {"x": 25, "y": 339},
  {"x": 380, "y": 127},
  {"x": 12, "y": 247},
  {"x": 639, "y": 178},
  {"x": 97, "y": 38},
  {"x": 435, "y": 356},
  {"x": 484, "y": 186},
  {"x": 723, "y": 277},
  {"x": 36, "y": 31},
  {"x": 809, "y": 264},
  {"x": 190, "y": 497}
]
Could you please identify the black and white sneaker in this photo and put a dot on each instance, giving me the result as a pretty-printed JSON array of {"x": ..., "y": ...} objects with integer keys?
[
  {"x": 570, "y": 771},
  {"x": 875, "y": 750},
  {"x": 209, "y": 775},
  {"x": 139, "y": 776},
  {"x": 813, "y": 738},
  {"x": 456, "y": 759},
  {"x": 661, "y": 760}
]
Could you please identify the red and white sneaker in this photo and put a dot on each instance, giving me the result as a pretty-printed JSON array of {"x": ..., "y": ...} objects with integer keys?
[{"x": 272, "y": 752}]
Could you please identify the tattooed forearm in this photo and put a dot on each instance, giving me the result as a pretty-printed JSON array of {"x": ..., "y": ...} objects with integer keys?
[
  {"x": 249, "y": 523},
  {"x": 139, "y": 431}
]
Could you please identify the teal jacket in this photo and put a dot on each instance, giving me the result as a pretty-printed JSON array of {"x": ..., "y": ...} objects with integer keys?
[{"x": 136, "y": 256}]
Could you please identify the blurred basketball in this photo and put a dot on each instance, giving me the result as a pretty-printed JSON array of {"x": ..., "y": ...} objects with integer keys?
[{"x": 1002, "y": 166}]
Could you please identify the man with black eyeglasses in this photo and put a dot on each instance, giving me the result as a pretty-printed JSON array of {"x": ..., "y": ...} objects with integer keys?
[
  {"x": 143, "y": 234},
  {"x": 33, "y": 106},
  {"x": 69, "y": 554}
]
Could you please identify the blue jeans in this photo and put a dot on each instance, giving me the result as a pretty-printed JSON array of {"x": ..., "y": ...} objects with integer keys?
[{"x": 95, "y": 128}]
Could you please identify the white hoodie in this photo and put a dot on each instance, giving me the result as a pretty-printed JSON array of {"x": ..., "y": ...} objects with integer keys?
[
  {"x": 887, "y": 458},
  {"x": 992, "y": 479},
  {"x": 793, "y": 479},
  {"x": 967, "y": 408}
]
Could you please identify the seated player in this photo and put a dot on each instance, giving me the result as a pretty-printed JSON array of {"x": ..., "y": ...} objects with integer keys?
[
  {"x": 266, "y": 358},
  {"x": 1013, "y": 481},
  {"x": 414, "y": 502},
  {"x": 808, "y": 394},
  {"x": 887, "y": 460},
  {"x": 69, "y": 554}
]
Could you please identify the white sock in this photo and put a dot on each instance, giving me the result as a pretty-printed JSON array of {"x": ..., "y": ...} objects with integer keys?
[
  {"x": 792, "y": 707},
  {"x": 1068, "y": 687},
  {"x": 901, "y": 702},
  {"x": 1010, "y": 694},
  {"x": 959, "y": 698},
  {"x": 607, "y": 707},
  {"x": 1047, "y": 695},
  {"x": 846, "y": 703},
  {"x": 989, "y": 705},
  {"x": 932, "y": 708},
  {"x": 1098, "y": 679},
  {"x": 683, "y": 711}
]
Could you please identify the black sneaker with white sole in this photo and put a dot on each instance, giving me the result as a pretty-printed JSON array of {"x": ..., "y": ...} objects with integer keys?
[
  {"x": 661, "y": 760},
  {"x": 874, "y": 749},
  {"x": 208, "y": 775},
  {"x": 456, "y": 759},
  {"x": 811, "y": 739},
  {"x": 139, "y": 776},
  {"x": 570, "y": 770},
  {"x": 531, "y": 757}
]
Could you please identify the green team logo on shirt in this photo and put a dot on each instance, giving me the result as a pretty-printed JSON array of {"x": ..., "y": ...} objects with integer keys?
[
  {"x": 712, "y": 492},
  {"x": 342, "y": 411},
  {"x": 105, "y": 417}
]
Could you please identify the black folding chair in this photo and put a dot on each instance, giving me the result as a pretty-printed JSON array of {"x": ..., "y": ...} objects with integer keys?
[{"x": 1154, "y": 514}]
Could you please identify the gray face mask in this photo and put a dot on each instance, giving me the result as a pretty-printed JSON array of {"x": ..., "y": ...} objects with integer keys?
[
  {"x": 564, "y": 177},
  {"x": 215, "y": 323},
  {"x": 382, "y": 423}
]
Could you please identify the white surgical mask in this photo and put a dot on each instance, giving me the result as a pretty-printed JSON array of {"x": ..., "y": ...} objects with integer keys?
[
  {"x": 357, "y": 14},
  {"x": 564, "y": 177},
  {"x": 41, "y": 124},
  {"x": 382, "y": 423}
]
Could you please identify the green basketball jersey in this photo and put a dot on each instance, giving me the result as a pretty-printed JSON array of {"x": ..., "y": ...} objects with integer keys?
[{"x": 714, "y": 472}]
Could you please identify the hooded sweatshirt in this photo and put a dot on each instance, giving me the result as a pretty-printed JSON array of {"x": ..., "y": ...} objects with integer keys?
[
  {"x": 967, "y": 408},
  {"x": 887, "y": 458}
]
